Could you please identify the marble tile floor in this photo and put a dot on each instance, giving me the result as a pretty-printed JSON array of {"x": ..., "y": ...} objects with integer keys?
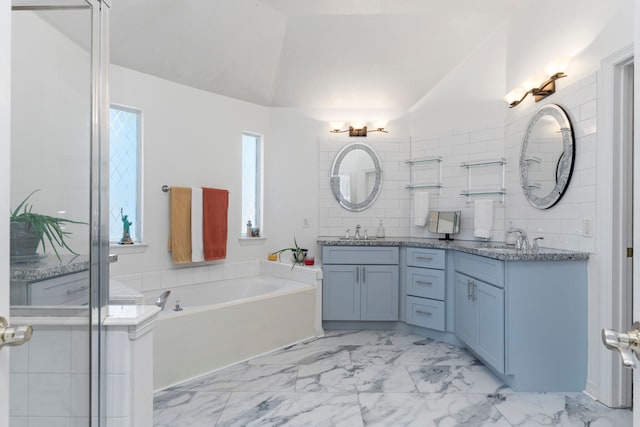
[{"x": 370, "y": 378}]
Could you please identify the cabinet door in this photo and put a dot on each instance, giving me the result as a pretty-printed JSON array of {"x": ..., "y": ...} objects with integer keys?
[
  {"x": 490, "y": 306},
  {"x": 379, "y": 292},
  {"x": 466, "y": 325},
  {"x": 341, "y": 292}
]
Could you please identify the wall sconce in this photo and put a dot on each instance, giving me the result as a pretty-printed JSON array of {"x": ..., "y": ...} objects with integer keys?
[
  {"x": 540, "y": 85},
  {"x": 357, "y": 128}
]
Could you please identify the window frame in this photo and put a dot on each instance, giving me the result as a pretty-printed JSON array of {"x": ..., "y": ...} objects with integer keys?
[
  {"x": 139, "y": 238},
  {"x": 259, "y": 208}
]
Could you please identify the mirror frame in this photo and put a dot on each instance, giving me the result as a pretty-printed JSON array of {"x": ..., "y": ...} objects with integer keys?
[
  {"x": 335, "y": 184},
  {"x": 564, "y": 167}
]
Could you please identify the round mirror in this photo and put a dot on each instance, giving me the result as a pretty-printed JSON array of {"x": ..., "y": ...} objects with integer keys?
[
  {"x": 356, "y": 177},
  {"x": 546, "y": 159}
]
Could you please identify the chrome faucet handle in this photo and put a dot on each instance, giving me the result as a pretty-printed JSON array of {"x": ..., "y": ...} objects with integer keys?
[
  {"x": 346, "y": 235},
  {"x": 536, "y": 246},
  {"x": 365, "y": 237},
  {"x": 626, "y": 343}
]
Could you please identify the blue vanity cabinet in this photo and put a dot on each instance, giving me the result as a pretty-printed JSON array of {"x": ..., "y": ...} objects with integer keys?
[
  {"x": 426, "y": 288},
  {"x": 480, "y": 318},
  {"x": 360, "y": 283},
  {"x": 527, "y": 320}
]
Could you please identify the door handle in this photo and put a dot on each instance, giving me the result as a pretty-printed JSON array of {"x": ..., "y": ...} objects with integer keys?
[
  {"x": 364, "y": 278},
  {"x": 626, "y": 343},
  {"x": 13, "y": 336}
]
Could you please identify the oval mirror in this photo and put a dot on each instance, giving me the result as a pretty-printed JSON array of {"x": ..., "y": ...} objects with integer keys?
[
  {"x": 546, "y": 159},
  {"x": 356, "y": 177}
]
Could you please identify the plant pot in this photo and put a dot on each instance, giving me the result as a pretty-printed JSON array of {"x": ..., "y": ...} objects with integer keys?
[
  {"x": 24, "y": 239},
  {"x": 299, "y": 256}
]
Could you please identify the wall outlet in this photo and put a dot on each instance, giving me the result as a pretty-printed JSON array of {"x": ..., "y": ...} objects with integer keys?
[
  {"x": 305, "y": 223},
  {"x": 587, "y": 227}
]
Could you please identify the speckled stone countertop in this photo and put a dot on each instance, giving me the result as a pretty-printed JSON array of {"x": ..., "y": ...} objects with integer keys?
[
  {"x": 490, "y": 250},
  {"x": 49, "y": 266}
]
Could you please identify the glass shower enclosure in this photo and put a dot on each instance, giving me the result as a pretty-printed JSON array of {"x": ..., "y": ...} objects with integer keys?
[{"x": 59, "y": 200}]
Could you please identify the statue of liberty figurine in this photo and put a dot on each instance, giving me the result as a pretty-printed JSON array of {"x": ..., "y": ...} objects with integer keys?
[{"x": 126, "y": 228}]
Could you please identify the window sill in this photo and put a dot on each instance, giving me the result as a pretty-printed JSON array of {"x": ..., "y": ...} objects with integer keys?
[
  {"x": 247, "y": 240},
  {"x": 136, "y": 248}
]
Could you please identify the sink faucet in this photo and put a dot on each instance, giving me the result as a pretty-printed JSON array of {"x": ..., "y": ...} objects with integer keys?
[
  {"x": 523, "y": 241},
  {"x": 357, "y": 236}
]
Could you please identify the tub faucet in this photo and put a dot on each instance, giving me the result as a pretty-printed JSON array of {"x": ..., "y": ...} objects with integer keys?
[
  {"x": 161, "y": 301},
  {"x": 523, "y": 241},
  {"x": 357, "y": 236}
]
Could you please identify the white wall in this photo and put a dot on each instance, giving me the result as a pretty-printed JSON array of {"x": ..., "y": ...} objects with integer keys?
[
  {"x": 190, "y": 138},
  {"x": 460, "y": 120}
]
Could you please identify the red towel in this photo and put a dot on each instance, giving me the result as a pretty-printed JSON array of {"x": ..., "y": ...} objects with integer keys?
[{"x": 215, "y": 204}]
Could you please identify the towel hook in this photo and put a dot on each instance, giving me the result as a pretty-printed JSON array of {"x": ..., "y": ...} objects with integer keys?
[{"x": 165, "y": 188}]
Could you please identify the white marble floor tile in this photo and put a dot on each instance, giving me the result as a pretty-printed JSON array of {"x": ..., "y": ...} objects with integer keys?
[
  {"x": 246, "y": 377},
  {"x": 457, "y": 356},
  {"x": 305, "y": 355},
  {"x": 359, "y": 337},
  {"x": 369, "y": 378},
  {"x": 550, "y": 409},
  {"x": 291, "y": 409},
  {"x": 433, "y": 409},
  {"x": 455, "y": 379},
  {"x": 188, "y": 408}
]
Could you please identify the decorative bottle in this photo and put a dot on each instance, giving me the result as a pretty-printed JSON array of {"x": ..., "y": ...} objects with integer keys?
[
  {"x": 380, "y": 231},
  {"x": 249, "y": 228}
]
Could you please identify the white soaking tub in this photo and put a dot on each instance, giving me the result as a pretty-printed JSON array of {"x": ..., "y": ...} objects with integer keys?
[{"x": 228, "y": 321}]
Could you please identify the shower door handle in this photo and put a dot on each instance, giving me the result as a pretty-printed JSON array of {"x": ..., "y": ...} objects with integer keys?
[
  {"x": 626, "y": 343},
  {"x": 13, "y": 336}
]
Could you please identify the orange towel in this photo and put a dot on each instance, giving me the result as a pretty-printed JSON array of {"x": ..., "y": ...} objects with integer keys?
[
  {"x": 180, "y": 238},
  {"x": 215, "y": 204}
]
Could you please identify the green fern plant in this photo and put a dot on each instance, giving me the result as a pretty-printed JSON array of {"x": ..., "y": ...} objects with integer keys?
[{"x": 44, "y": 226}]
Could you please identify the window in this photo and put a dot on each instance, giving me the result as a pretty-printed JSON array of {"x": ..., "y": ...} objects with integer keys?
[
  {"x": 125, "y": 141},
  {"x": 251, "y": 181}
]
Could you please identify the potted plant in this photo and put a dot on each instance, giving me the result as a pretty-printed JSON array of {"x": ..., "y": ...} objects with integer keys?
[
  {"x": 29, "y": 229},
  {"x": 299, "y": 254}
]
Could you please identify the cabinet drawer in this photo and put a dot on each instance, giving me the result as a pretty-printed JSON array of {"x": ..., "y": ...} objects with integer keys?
[
  {"x": 486, "y": 269},
  {"x": 72, "y": 289},
  {"x": 360, "y": 255},
  {"x": 425, "y": 312},
  {"x": 429, "y": 258},
  {"x": 425, "y": 282}
]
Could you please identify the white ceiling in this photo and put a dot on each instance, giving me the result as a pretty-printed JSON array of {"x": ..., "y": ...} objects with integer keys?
[{"x": 320, "y": 54}]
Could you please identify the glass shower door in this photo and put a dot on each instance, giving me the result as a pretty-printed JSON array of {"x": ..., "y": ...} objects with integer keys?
[{"x": 58, "y": 258}]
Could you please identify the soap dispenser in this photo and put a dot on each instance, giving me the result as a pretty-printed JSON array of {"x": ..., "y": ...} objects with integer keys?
[{"x": 380, "y": 231}]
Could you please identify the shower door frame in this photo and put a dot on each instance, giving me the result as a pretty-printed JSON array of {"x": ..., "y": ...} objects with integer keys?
[{"x": 99, "y": 199}]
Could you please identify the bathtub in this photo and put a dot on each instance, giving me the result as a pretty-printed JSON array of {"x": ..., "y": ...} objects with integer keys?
[{"x": 229, "y": 321}]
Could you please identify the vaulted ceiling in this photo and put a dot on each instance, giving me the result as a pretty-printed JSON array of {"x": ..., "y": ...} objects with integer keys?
[{"x": 321, "y": 54}]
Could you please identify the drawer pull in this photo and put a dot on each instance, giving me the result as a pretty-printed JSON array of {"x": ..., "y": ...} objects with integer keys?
[
  {"x": 75, "y": 291},
  {"x": 424, "y": 313},
  {"x": 425, "y": 258},
  {"x": 421, "y": 282}
]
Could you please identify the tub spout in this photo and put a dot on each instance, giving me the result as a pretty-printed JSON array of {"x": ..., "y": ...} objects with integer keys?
[{"x": 162, "y": 299}]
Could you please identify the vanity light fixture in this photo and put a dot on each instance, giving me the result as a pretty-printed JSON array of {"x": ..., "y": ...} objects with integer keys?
[
  {"x": 540, "y": 85},
  {"x": 357, "y": 128}
]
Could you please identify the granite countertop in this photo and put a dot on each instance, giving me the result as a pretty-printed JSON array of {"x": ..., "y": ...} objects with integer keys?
[
  {"x": 494, "y": 250},
  {"x": 49, "y": 266}
]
